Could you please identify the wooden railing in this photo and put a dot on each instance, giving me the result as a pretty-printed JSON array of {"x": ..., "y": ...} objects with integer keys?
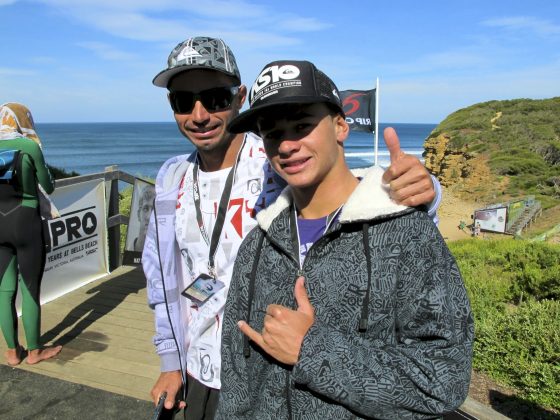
[{"x": 111, "y": 175}]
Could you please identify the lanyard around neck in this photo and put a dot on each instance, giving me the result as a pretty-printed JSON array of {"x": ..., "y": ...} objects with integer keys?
[{"x": 222, "y": 209}]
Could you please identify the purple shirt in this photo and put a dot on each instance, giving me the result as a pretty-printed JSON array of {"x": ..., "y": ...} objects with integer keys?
[{"x": 310, "y": 230}]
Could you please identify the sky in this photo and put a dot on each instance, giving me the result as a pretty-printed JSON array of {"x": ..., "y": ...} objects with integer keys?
[{"x": 94, "y": 60}]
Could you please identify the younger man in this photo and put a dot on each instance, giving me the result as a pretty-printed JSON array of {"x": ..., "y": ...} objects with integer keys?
[{"x": 354, "y": 306}]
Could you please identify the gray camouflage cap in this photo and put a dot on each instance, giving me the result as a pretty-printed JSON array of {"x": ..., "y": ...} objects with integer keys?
[{"x": 200, "y": 52}]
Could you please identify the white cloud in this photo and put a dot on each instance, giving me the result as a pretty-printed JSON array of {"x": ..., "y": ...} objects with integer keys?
[
  {"x": 136, "y": 26},
  {"x": 525, "y": 24},
  {"x": 172, "y": 20},
  {"x": 255, "y": 39},
  {"x": 7, "y": 71},
  {"x": 302, "y": 24},
  {"x": 43, "y": 60},
  {"x": 209, "y": 8},
  {"x": 106, "y": 52},
  {"x": 443, "y": 61},
  {"x": 225, "y": 8},
  {"x": 6, "y": 2}
]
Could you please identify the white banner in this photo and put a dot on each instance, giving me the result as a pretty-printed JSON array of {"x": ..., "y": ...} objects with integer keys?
[
  {"x": 491, "y": 219},
  {"x": 78, "y": 252}
]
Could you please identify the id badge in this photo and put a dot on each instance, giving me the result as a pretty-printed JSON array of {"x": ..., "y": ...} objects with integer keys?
[{"x": 203, "y": 288}]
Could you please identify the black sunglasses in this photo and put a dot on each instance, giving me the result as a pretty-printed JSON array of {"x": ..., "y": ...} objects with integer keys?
[{"x": 215, "y": 99}]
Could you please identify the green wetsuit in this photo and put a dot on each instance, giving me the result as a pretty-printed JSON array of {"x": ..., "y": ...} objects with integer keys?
[
  {"x": 22, "y": 247},
  {"x": 34, "y": 169}
]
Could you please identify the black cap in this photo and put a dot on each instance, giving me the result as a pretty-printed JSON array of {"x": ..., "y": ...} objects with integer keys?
[{"x": 282, "y": 83}]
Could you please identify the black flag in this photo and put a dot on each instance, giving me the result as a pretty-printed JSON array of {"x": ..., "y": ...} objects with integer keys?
[{"x": 359, "y": 107}]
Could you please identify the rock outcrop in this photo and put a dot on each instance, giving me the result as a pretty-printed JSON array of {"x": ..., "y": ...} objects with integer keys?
[
  {"x": 467, "y": 173},
  {"x": 449, "y": 165}
]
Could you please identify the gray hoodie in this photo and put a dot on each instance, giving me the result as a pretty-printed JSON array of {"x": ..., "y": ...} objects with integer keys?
[{"x": 393, "y": 328}]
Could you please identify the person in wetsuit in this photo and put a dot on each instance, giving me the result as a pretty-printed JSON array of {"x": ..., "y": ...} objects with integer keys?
[{"x": 22, "y": 247}]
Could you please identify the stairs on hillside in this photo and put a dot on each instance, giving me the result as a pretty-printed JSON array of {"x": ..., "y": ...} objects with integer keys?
[{"x": 526, "y": 218}]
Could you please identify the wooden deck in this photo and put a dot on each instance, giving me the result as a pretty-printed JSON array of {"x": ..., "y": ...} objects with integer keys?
[{"x": 106, "y": 329}]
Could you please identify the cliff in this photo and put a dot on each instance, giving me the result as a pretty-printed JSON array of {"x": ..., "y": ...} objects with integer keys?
[{"x": 499, "y": 150}]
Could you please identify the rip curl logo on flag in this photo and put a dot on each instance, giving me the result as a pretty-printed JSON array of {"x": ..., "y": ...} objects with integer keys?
[
  {"x": 273, "y": 78},
  {"x": 359, "y": 108}
]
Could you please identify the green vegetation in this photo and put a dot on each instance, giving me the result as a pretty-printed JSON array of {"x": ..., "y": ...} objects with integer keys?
[
  {"x": 520, "y": 138},
  {"x": 125, "y": 201},
  {"x": 514, "y": 287},
  {"x": 58, "y": 173}
]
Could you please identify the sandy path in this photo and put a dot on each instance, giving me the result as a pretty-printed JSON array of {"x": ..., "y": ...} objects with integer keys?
[{"x": 451, "y": 211}]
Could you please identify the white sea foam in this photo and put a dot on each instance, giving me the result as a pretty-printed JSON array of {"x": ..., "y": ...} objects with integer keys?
[
  {"x": 416, "y": 153},
  {"x": 141, "y": 148}
]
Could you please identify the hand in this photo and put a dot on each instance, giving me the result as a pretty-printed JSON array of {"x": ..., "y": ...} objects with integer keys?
[
  {"x": 284, "y": 329},
  {"x": 410, "y": 182},
  {"x": 172, "y": 383}
]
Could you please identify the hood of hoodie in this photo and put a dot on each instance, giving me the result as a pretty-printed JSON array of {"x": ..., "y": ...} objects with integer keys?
[{"x": 369, "y": 201}]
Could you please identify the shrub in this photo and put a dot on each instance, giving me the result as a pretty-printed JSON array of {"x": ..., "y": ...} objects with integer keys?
[
  {"x": 511, "y": 286},
  {"x": 521, "y": 348},
  {"x": 59, "y": 173},
  {"x": 125, "y": 201}
]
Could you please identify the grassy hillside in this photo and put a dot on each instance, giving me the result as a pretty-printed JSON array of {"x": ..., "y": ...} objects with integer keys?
[{"x": 518, "y": 139}]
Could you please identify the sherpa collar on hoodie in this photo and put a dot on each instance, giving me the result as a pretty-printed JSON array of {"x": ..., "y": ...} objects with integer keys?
[{"x": 370, "y": 200}]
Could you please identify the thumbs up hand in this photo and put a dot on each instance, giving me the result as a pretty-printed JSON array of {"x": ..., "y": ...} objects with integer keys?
[
  {"x": 410, "y": 182},
  {"x": 393, "y": 144},
  {"x": 284, "y": 329}
]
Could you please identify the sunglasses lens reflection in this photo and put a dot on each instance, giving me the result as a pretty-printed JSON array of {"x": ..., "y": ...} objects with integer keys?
[{"x": 216, "y": 99}]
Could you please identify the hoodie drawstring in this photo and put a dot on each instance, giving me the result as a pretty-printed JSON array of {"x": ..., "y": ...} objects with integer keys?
[{"x": 365, "y": 305}]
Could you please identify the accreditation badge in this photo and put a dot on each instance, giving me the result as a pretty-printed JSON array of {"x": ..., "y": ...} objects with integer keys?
[{"x": 203, "y": 288}]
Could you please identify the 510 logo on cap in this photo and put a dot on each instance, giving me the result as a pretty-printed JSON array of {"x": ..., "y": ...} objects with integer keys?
[
  {"x": 273, "y": 78},
  {"x": 286, "y": 83}
]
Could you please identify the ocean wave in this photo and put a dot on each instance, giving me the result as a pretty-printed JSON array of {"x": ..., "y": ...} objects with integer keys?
[{"x": 381, "y": 153}]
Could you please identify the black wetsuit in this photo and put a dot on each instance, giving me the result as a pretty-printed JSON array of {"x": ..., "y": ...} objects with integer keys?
[{"x": 22, "y": 247}]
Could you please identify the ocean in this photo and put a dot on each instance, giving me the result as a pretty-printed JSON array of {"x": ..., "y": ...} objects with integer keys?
[{"x": 141, "y": 148}]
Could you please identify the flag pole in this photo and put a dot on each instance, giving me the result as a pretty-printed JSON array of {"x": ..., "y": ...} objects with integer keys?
[{"x": 376, "y": 120}]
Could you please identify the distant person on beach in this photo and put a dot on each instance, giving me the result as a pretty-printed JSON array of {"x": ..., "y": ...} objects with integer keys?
[
  {"x": 476, "y": 230},
  {"x": 205, "y": 205},
  {"x": 22, "y": 249},
  {"x": 342, "y": 304}
]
